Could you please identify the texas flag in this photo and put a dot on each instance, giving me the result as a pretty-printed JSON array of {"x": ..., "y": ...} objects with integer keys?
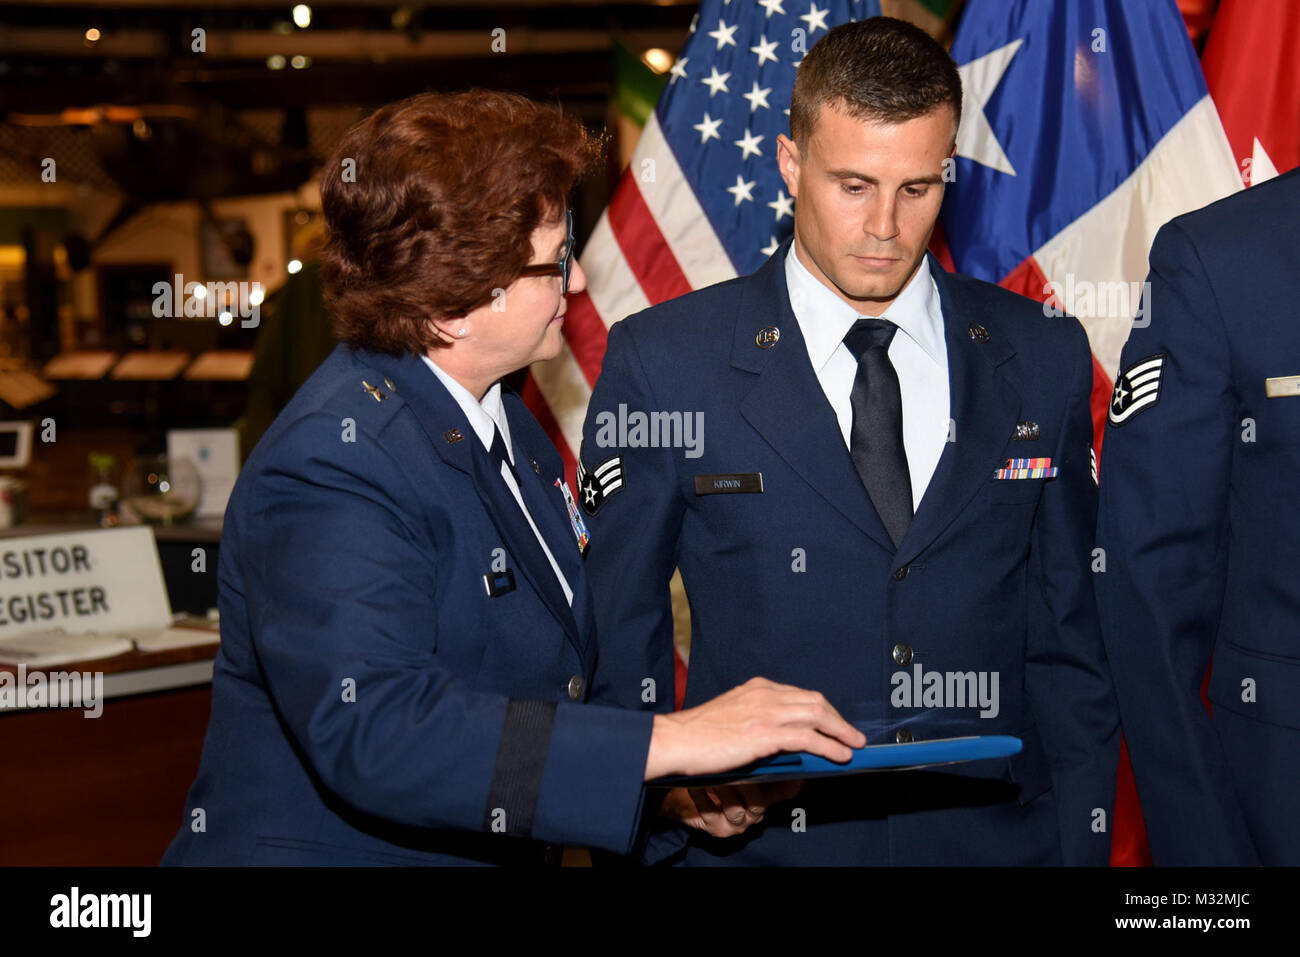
[{"x": 1086, "y": 126}]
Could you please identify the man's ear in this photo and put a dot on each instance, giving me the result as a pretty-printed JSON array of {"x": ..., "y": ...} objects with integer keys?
[{"x": 787, "y": 162}]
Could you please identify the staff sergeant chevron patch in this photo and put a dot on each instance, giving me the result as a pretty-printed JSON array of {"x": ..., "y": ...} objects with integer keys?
[
  {"x": 596, "y": 486},
  {"x": 1137, "y": 388}
]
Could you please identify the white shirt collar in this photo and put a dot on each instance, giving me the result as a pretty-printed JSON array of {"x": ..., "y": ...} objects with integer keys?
[
  {"x": 824, "y": 318},
  {"x": 483, "y": 416}
]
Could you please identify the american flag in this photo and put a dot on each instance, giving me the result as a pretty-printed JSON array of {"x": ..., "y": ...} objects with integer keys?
[{"x": 701, "y": 200}]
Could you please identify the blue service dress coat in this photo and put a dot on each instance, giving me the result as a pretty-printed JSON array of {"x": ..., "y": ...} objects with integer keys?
[
  {"x": 1200, "y": 521},
  {"x": 401, "y": 680},
  {"x": 800, "y": 583}
]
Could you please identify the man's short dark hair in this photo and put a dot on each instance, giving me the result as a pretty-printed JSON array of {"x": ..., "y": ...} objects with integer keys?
[{"x": 879, "y": 69}]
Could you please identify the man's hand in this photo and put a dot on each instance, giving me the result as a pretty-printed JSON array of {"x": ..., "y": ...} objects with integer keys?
[
  {"x": 752, "y": 721},
  {"x": 725, "y": 811}
]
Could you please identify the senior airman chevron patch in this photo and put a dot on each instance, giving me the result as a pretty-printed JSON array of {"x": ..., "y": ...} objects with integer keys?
[{"x": 598, "y": 484}]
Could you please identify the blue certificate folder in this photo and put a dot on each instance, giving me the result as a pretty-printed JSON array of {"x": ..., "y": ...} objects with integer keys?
[{"x": 873, "y": 757}]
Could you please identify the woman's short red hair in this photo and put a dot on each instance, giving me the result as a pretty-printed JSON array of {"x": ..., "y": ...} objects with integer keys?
[{"x": 430, "y": 204}]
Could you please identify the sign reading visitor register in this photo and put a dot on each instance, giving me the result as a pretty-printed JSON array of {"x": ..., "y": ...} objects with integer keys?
[{"x": 104, "y": 580}]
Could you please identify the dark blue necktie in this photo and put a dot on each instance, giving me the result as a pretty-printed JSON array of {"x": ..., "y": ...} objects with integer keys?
[{"x": 876, "y": 440}]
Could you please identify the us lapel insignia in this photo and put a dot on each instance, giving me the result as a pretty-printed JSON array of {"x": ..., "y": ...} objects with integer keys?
[{"x": 767, "y": 337}]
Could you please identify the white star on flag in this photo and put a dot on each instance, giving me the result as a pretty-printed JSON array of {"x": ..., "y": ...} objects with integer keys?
[
  {"x": 783, "y": 205},
  {"x": 724, "y": 34},
  {"x": 742, "y": 190},
  {"x": 979, "y": 78},
  {"x": 708, "y": 128},
  {"x": 758, "y": 98},
  {"x": 716, "y": 81},
  {"x": 816, "y": 18},
  {"x": 749, "y": 145},
  {"x": 772, "y": 6},
  {"x": 765, "y": 50}
]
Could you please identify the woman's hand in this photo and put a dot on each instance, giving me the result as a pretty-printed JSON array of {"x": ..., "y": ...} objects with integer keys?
[{"x": 752, "y": 721}]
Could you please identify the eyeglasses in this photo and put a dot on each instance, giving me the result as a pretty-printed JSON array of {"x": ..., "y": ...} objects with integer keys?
[{"x": 560, "y": 268}]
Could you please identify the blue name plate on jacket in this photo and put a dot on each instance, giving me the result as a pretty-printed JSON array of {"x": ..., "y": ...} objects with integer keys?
[{"x": 873, "y": 757}]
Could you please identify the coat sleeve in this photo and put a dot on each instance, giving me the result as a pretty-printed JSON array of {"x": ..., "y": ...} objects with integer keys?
[
  {"x": 635, "y": 531},
  {"x": 1163, "y": 529},
  {"x": 1067, "y": 674},
  {"x": 343, "y": 604}
]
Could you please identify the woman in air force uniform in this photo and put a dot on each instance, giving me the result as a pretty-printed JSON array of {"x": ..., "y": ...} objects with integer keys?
[{"x": 407, "y": 636}]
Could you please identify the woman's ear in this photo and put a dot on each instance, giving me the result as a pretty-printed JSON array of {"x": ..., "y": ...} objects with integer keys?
[{"x": 449, "y": 329}]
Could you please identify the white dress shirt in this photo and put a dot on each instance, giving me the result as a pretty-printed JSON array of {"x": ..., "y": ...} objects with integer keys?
[
  {"x": 483, "y": 416},
  {"x": 918, "y": 353}
]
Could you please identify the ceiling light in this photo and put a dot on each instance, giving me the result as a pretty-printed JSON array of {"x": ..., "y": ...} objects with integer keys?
[{"x": 657, "y": 59}]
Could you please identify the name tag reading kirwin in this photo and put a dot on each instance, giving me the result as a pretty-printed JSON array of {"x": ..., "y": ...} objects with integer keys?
[
  {"x": 736, "y": 482},
  {"x": 104, "y": 580}
]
